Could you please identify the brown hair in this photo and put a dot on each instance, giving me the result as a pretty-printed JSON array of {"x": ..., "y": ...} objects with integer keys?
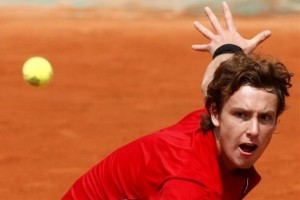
[{"x": 241, "y": 70}]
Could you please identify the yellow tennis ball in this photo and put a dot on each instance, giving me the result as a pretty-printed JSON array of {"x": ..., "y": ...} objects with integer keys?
[{"x": 37, "y": 71}]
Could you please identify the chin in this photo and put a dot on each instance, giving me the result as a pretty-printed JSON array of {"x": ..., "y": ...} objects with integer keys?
[
  {"x": 237, "y": 161},
  {"x": 243, "y": 164}
]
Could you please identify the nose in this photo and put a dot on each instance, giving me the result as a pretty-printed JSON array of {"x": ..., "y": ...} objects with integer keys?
[{"x": 253, "y": 128}]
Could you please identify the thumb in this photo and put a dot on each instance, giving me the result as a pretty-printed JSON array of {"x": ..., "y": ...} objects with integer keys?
[
  {"x": 255, "y": 41},
  {"x": 262, "y": 36}
]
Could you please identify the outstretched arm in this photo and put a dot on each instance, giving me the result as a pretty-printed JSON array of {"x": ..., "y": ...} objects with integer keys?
[{"x": 228, "y": 35}]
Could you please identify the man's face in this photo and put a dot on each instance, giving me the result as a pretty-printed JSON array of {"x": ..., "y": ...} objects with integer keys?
[{"x": 245, "y": 126}]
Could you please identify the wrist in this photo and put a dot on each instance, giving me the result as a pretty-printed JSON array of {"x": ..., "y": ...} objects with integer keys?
[{"x": 227, "y": 48}]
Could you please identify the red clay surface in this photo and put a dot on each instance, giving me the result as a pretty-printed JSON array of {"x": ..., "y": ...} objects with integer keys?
[{"x": 116, "y": 79}]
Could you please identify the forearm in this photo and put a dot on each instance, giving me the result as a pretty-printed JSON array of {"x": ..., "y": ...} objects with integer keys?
[{"x": 210, "y": 70}]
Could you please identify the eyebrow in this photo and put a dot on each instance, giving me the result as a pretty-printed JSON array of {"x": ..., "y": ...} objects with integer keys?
[{"x": 234, "y": 109}]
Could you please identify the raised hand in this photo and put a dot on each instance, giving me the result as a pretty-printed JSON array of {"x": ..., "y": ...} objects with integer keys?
[{"x": 228, "y": 35}]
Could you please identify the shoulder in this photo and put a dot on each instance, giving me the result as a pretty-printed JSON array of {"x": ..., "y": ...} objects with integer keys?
[
  {"x": 183, "y": 135},
  {"x": 184, "y": 132}
]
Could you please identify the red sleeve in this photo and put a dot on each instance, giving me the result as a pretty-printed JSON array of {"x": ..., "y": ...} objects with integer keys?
[
  {"x": 77, "y": 192},
  {"x": 84, "y": 188},
  {"x": 178, "y": 189}
]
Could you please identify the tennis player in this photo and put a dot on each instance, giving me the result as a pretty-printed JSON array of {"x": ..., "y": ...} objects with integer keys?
[{"x": 211, "y": 152}]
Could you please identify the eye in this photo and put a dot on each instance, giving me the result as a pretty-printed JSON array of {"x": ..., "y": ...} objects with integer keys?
[
  {"x": 241, "y": 115},
  {"x": 267, "y": 118}
]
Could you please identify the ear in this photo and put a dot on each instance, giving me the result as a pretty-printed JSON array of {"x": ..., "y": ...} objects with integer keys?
[{"x": 214, "y": 115}]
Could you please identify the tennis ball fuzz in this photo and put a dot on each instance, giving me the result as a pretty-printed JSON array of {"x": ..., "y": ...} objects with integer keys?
[{"x": 37, "y": 71}]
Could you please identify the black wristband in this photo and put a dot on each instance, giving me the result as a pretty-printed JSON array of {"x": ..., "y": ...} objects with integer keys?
[{"x": 227, "y": 48}]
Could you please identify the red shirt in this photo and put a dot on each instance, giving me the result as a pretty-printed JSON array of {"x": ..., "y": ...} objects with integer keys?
[{"x": 178, "y": 162}]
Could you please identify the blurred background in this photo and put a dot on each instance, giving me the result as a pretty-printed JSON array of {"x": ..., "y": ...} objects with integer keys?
[
  {"x": 243, "y": 7},
  {"x": 122, "y": 69}
]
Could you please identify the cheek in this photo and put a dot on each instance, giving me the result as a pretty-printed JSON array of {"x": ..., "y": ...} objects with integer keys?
[
  {"x": 267, "y": 136},
  {"x": 229, "y": 134},
  {"x": 230, "y": 129}
]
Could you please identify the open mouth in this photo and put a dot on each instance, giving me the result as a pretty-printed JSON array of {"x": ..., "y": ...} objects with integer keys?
[{"x": 248, "y": 147}]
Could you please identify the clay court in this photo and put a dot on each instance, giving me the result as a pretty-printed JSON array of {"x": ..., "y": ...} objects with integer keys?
[{"x": 117, "y": 77}]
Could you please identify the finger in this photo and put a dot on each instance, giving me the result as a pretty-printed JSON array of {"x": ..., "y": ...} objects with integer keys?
[
  {"x": 213, "y": 20},
  {"x": 203, "y": 30},
  {"x": 200, "y": 47},
  {"x": 228, "y": 17},
  {"x": 255, "y": 41},
  {"x": 262, "y": 36}
]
